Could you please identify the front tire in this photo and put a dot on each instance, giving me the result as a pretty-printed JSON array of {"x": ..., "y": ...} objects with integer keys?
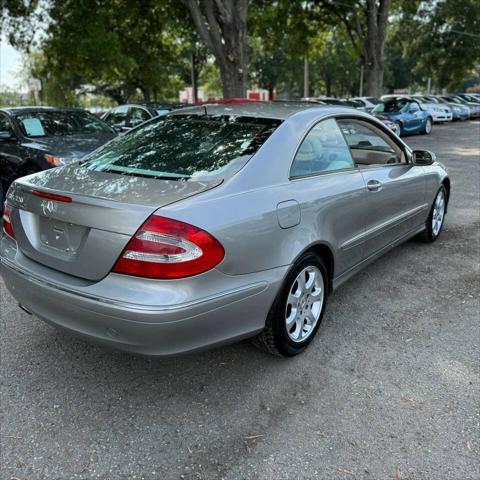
[
  {"x": 436, "y": 217},
  {"x": 296, "y": 313},
  {"x": 399, "y": 128}
]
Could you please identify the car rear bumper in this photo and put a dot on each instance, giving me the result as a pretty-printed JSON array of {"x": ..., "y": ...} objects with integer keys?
[{"x": 168, "y": 326}]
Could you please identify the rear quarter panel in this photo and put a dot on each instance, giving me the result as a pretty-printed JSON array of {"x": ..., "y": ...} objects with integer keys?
[{"x": 247, "y": 225}]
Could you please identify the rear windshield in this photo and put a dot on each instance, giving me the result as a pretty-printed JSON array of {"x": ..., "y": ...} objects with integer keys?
[
  {"x": 57, "y": 123},
  {"x": 184, "y": 147}
]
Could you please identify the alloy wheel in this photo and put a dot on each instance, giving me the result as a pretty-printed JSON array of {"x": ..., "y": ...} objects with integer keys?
[
  {"x": 438, "y": 213},
  {"x": 304, "y": 303}
]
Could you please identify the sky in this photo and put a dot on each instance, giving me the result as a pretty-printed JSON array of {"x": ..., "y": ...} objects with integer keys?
[{"x": 10, "y": 66}]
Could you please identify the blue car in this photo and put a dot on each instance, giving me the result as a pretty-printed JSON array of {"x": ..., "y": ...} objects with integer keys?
[{"x": 406, "y": 113}]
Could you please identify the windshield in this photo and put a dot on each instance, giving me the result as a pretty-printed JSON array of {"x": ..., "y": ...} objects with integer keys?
[
  {"x": 373, "y": 100},
  {"x": 56, "y": 123},
  {"x": 184, "y": 147},
  {"x": 390, "y": 106}
]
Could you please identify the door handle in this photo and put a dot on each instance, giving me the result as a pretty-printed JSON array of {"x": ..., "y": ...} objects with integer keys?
[{"x": 374, "y": 185}]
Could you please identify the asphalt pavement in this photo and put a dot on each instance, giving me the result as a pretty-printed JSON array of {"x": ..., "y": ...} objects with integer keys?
[{"x": 389, "y": 389}]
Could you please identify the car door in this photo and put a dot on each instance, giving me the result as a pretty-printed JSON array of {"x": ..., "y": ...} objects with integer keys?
[
  {"x": 395, "y": 200},
  {"x": 414, "y": 117},
  {"x": 330, "y": 191},
  {"x": 10, "y": 152}
]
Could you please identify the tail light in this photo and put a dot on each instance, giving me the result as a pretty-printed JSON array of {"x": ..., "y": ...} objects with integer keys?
[
  {"x": 7, "y": 223},
  {"x": 164, "y": 248}
]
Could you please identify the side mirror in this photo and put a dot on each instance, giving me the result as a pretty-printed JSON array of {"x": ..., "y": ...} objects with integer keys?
[
  {"x": 423, "y": 157},
  {"x": 6, "y": 135}
]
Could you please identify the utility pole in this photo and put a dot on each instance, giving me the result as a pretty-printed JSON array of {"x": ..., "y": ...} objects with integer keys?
[
  {"x": 429, "y": 85},
  {"x": 306, "y": 88}
]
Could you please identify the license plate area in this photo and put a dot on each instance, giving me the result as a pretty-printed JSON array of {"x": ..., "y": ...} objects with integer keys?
[{"x": 62, "y": 237}]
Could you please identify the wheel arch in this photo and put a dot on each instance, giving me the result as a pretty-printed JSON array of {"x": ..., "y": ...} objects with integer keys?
[
  {"x": 324, "y": 251},
  {"x": 447, "y": 184}
]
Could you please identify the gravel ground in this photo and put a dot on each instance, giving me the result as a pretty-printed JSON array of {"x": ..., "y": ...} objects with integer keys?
[{"x": 388, "y": 390}]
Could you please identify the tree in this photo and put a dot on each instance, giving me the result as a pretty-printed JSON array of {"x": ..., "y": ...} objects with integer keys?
[
  {"x": 444, "y": 37},
  {"x": 116, "y": 46},
  {"x": 365, "y": 22},
  {"x": 222, "y": 25}
]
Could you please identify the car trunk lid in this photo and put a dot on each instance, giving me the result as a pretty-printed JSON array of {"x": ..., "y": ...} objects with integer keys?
[{"x": 84, "y": 234}]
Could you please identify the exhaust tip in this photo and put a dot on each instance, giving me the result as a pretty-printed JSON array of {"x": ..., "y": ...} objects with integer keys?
[{"x": 24, "y": 309}]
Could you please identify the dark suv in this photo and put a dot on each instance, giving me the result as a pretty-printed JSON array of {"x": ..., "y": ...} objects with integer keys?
[{"x": 36, "y": 138}]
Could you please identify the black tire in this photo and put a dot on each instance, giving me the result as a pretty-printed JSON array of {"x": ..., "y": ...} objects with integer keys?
[
  {"x": 274, "y": 338},
  {"x": 428, "y": 235},
  {"x": 428, "y": 126}
]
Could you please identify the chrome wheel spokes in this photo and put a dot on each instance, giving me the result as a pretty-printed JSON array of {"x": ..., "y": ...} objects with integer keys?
[
  {"x": 438, "y": 213},
  {"x": 304, "y": 303}
]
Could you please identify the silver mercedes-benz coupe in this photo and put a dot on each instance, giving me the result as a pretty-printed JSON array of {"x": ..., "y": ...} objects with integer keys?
[{"x": 216, "y": 223}]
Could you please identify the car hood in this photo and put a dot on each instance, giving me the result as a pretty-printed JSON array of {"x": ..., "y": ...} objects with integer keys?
[{"x": 69, "y": 147}]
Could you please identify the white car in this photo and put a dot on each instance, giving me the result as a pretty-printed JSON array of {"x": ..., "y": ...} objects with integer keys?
[
  {"x": 439, "y": 113},
  {"x": 368, "y": 102}
]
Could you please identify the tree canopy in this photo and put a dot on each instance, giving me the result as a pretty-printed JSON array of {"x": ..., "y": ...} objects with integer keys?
[{"x": 125, "y": 49}]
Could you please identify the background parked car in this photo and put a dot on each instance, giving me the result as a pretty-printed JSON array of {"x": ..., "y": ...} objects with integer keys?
[
  {"x": 439, "y": 113},
  {"x": 406, "y": 113},
  {"x": 474, "y": 107},
  {"x": 37, "y": 138},
  {"x": 470, "y": 97},
  {"x": 126, "y": 117},
  {"x": 368, "y": 103},
  {"x": 459, "y": 112}
]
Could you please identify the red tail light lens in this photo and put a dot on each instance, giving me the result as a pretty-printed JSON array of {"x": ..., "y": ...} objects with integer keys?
[
  {"x": 7, "y": 224},
  {"x": 164, "y": 248}
]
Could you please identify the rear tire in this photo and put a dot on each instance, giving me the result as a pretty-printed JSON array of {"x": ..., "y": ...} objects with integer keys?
[
  {"x": 296, "y": 313},
  {"x": 436, "y": 217}
]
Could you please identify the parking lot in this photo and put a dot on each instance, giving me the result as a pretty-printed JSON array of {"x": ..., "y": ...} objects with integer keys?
[{"x": 390, "y": 388}]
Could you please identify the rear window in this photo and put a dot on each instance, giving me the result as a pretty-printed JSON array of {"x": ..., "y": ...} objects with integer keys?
[
  {"x": 58, "y": 123},
  {"x": 184, "y": 147}
]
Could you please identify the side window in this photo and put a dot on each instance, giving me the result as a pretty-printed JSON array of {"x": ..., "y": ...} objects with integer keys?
[
  {"x": 138, "y": 116},
  {"x": 369, "y": 145},
  {"x": 322, "y": 150},
  {"x": 118, "y": 117},
  {"x": 5, "y": 125}
]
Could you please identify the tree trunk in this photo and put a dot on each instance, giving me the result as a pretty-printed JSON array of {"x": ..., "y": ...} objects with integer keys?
[
  {"x": 146, "y": 94},
  {"x": 194, "y": 78},
  {"x": 366, "y": 26},
  {"x": 374, "y": 45},
  {"x": 374, "y": 76},
  {"x": 222, "y": 25}
]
